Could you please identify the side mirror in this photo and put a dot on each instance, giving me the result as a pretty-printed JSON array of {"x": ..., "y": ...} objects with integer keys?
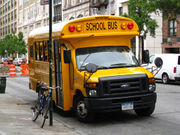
[
  {"x": 91, "y": 68},
  {"x": 67, "y": 56},
  {"x": 145, "y": 56},
  {"x": 158, "y": 62}
]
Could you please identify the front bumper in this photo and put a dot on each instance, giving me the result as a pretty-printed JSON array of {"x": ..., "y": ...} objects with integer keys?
[{"x": 114, "y": 103}]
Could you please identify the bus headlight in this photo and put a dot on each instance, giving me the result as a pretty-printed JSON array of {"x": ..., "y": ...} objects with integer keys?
[
  {"x": 92, "y": 93},
  {"x": 152, "y": 87}
]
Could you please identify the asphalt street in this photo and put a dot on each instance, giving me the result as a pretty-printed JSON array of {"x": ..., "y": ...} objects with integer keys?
[{"x": 164, "y": 121}]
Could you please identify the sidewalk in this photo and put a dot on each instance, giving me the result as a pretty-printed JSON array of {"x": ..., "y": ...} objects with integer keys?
[{"x": 15, "y": 119}]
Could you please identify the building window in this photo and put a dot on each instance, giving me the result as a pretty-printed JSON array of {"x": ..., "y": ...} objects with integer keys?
[
  {"x": 20, "y": 2},
  {"x": 20, "y": 17},
  {"x": 11, "y": 3},
  {"x": 172, "y": 27},
  {"x": 72, "y": 2},
  {"x": 120, "y": 10}
]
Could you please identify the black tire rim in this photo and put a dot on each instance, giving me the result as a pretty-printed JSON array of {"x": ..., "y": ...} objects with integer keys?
[{"x": 81, "y": 109}]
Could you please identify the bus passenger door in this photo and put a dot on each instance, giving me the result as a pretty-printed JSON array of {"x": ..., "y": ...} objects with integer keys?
[{"x": 58, "y": 74}]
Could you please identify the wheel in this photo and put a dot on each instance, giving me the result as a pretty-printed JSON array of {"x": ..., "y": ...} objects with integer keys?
[
  {"x": 36, "y": 110},
  {"x": 81, "y": 110},
  {"x": 146, "y": 111},
  {"x": 165, "y": 78},
  {"x": 45, "y": 113}
]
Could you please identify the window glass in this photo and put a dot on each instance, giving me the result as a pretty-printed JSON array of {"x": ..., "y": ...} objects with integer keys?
[
  {"x": 37, "y": 50},
  {"x": 106, "y": 57},
  {"x": 172, "y": 28},
  {"x": 179, "y": 60},
  {"x": 151, "y": 59},
  {"x": 45, "y": 51},
  {"x": 41, "y": 51},
  {"x": 31, "y": 51}
]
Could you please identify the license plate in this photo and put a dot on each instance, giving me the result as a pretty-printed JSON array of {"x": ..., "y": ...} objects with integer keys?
[{"x": 127, "y": 106}]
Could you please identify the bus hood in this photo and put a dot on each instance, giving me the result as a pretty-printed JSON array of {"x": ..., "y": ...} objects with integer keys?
[{"x": 117, "y": 72}]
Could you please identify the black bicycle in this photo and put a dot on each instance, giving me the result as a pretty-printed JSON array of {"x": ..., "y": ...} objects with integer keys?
[{"x": 43, "y": 104}]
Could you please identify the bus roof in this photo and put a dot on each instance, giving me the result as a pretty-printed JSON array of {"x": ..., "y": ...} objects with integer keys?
[
  {"x": 42, "y": 30},
  {"x": 92, "y": 25}
]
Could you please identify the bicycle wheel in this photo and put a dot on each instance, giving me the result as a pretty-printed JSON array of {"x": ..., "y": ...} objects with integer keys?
[
  {"x": 45, "y": 113},
  {"x": 36, "y": 109},
  {"x": 35, "y": 112}
]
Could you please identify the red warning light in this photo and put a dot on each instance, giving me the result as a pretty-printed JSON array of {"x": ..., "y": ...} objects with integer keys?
[
  {"x": 71, "y": 28},
  {"x": 130, "y": 25}
]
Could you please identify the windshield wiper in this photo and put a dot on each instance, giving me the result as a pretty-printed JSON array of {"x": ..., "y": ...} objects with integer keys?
[
  {"x": 82, "y": 65},
  {"x": 119, "y": 65},
  {"x": 103, "y": 67}
]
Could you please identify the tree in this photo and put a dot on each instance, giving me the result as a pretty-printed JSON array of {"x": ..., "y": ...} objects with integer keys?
[
  {"x": 171, "y": 7},
  {"x": 13, "y": 44},
  {"x": 21, "y": 44},
  {"x": 2, "y": 48},
  {"x": 140, "y": 11}
]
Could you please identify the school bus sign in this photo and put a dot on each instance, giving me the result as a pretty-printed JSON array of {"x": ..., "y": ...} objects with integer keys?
[
  {"x": 100, "y": 26},
  {"x": 91, "y": 26}
]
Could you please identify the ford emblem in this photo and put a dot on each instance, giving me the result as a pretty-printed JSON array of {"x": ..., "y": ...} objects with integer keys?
[{"x": 125, "y": 85}]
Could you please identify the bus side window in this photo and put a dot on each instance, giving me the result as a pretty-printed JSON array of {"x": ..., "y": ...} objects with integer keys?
[
  {"x": 45, "y": 51},
  {"x": 40, "y": 51},
  {"x": 37, "y": 50},
  {"x": 31, "y": 51}
]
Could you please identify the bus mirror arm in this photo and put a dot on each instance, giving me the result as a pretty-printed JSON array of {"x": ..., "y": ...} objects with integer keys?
[
  {"x": 90, "y": 68},
  {"x": 67, "y": 56},
  {"x": 85, "y": 80}
]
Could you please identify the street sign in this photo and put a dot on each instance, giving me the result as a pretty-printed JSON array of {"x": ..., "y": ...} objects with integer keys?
[{"x": 44, "y": 2}]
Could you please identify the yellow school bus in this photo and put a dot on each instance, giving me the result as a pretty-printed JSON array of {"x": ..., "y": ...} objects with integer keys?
[{"x": 93, "y": 65}]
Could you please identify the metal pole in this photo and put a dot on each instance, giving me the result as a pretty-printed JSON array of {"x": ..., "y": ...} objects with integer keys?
[{"x": 50, "y": 61}]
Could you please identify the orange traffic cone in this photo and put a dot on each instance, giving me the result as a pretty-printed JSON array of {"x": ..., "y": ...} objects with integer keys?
[
  {"x": 24, "y": 70},
  {"x": 12, "y": 70}
]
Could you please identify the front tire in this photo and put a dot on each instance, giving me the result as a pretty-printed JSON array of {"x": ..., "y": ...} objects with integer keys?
[
  {"x": 45, "y": 113},
  {"x": 165, "y": 78},
  {"x": 81, "y": 110},
  {"x": 35, "y": 112},
  {"x": 146, "y": 111}
]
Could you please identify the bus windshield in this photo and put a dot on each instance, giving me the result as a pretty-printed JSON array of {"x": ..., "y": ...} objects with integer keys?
[{"x": 106, "y": 57}]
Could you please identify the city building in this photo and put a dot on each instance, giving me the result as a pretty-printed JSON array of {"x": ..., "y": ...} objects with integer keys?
[
  {"x": 75, "y": 9},
  {"x": 171, "y": 34},
  {"x": 32, "y": 14},
  {"x": 8, "y": 17}
]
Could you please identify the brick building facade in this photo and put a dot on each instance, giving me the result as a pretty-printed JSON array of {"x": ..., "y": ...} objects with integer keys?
[{"x": 171, "y": 34}]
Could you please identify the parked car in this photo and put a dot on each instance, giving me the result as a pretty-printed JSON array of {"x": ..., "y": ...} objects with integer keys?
[
  {"x": 18, "y": 61},
  {"x": 170, "y": 69},
  {"x": 2, "y": 60}
]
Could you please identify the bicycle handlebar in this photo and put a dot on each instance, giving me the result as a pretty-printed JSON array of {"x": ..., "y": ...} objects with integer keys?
[{"x": 47, "y": 87}]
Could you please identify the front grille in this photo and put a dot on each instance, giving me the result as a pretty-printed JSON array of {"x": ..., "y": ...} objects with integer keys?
[{"x": 124, "y": 85}]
